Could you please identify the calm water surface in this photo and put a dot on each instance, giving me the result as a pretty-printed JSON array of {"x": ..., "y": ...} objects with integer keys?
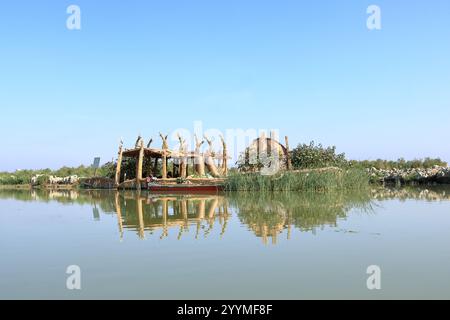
[{"x": 237, "y": 246}]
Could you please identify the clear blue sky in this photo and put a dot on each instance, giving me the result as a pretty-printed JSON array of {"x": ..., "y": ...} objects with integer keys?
[{"x": 308, "y": 68}]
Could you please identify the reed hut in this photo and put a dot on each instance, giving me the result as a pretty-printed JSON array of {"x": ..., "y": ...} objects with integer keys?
[
  {"x": 265, "y": 151},
  {"x": 192, "y": 166}
]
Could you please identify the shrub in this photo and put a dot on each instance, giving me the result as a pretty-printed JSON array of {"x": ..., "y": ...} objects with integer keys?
[
  {"x": 42, "y": 180},
  {"x": 306, "y": 156}
]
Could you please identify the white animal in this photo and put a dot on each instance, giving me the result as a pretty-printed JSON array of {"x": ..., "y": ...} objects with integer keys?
[
  {"x": 56, "y": 180},
  {"x": 34, "y": 179}
]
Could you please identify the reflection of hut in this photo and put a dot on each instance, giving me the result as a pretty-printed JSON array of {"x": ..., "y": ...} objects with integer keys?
[
  {"x": 183, "y": 161},
  {"x": 151, "y": 213},
  {"x": 265, "y": 151},
  {"x": 265, "y": 232}
]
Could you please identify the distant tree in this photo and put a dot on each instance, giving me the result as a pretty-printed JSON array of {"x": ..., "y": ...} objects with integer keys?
[{"x": 399, "y": 164}]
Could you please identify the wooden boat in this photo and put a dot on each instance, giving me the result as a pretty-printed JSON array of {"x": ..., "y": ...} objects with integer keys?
[{"x": 185, "y": 188}]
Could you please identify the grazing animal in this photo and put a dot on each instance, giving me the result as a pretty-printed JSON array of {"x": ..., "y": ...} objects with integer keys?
[
  {"x": 55, "y": 180},
  {"x": 63, "y": 180}
]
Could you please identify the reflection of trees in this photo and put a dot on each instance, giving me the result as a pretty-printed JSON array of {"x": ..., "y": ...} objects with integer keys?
[
  {"x": 267, "y": 215},
  {"x": 101, "y": 198}
]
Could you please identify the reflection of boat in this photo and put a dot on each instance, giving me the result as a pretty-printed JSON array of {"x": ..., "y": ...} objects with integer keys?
[{"x": 185, "y": 188}]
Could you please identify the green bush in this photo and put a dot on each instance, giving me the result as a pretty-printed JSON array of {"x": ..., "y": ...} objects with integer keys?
[
  {"x": 306, "y": 156},
  {"x": 18, "y": 177},
  {"x": 108, "y": 170},
  {"x": 42, "y": 180}
]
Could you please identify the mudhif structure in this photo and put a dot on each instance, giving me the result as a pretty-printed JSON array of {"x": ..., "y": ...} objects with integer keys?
[
  {"x": 266, "y": 155},
  {"x": 173, "y": 170}
]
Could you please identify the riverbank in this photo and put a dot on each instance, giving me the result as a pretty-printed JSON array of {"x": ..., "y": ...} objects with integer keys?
[
  {"x": 321, "y": 179},
  {"x": 15, "y": 186},
  {"x": 29, "y": 186}
]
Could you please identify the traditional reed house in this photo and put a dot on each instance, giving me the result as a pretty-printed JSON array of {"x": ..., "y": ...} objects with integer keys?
[
  {"x": 265, "y": 152},
  {"x": 190, "y": 165}
]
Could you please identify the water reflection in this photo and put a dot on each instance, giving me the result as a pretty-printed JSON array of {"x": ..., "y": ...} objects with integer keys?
[
  {"x": 435, "y": 193},
  {"x": 271, "y": 215},
  {"x": 145, "y": 212},
  {"x": 267, "y": 216}
]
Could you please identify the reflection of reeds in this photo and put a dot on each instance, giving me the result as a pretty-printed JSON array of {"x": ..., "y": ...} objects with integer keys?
[
  {"x": 269, "y": 214},
  {"x": 313, "y": 180}
]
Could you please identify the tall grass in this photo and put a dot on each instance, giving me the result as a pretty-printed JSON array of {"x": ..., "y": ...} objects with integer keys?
[{"x": 299, "y": 181}]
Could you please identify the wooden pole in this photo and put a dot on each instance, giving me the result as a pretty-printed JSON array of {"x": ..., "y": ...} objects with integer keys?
[
  {"x": 165, "y": 146},
  {"x": 209, "y": 159},
  {"x": 164, "y": 165},
  {"x": 260, "y": 146},
  {"x": 167, "y": 162},
  {"x": 271, "y": 144},
  {"x": 225, "y": 219},
  {"x": 201, "y": 209},
  {"x": 183, "y": 159},
  {"x": 165, "y": 213},
  {"x": 225, "y": 157},
  {"x": 119, "y": 214},
  {"x": 213, "y": 207},
  {"x": 288, "y": 156},
  {"x": 183, "y": 167},
  {"x": 184, "y": 210},
  {"x": 140, "y": 213},
  {"x": 199, "y": 161},
  {"x": 139, "y": 166},
  {"x": 200, "y": 165},
  {"x": 119, "y": 165}
]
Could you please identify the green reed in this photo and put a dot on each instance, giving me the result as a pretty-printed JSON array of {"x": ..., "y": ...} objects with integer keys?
[{"x": 313, "y": 180}]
